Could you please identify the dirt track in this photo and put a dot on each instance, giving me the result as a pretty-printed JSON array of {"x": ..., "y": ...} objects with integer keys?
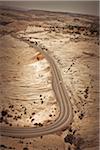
[{"x": 65, "y": 116}]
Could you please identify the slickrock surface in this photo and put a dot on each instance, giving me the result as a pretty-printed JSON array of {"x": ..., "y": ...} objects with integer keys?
[
  {"x": 26, "y": 94},
  {"x": 72, "y": 40}
]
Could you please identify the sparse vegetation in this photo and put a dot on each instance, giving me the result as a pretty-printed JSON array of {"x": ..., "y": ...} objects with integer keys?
[{"x": 72, "y": 41}]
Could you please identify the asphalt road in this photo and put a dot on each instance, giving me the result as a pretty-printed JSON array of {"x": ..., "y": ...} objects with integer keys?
[{"x": 65, "y": 117}]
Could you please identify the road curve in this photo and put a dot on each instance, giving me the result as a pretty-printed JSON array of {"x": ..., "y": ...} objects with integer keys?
[{"x": 65, "y": 117}]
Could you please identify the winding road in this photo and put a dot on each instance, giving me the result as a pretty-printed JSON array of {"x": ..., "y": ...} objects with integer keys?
[{"x": 65, "y": 117}]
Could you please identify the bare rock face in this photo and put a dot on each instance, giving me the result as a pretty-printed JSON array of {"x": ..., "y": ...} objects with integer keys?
[{"x": 26, "y": 95}]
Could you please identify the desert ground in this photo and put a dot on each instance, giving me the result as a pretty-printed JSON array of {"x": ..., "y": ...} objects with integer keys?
[{"x": 26, "y": 95}]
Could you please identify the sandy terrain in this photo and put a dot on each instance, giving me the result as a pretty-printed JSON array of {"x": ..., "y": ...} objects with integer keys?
[{"x": 72, "y": 40}]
